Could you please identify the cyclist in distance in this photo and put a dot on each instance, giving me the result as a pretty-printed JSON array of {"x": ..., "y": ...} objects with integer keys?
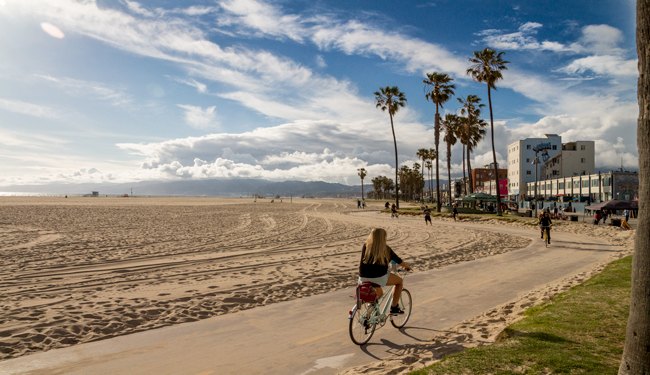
[
  {"x": 545, "y": 224},
  {"x": 376, "y": 257}
]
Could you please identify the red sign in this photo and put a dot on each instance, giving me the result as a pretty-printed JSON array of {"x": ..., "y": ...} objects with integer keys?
[{"x": 503, "y": 187}]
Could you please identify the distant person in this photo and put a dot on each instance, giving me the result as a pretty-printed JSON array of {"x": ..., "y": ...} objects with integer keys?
[
  {"x": 387, "y": 205},
  {"x": 393, "y": 211},
  {"x": 626, "y": 213},
  {"x": 427, "y": 216},
  {"x": 376, "y": 256},
  {"x": 358, "y": 203},
  {"x": 545, "y": 225},
  {"x": 363, "y": 204},
  {"x": 454, "y": 212},
  {"x": 605, "y": 214},
  {"x": 597, "y": 218}
]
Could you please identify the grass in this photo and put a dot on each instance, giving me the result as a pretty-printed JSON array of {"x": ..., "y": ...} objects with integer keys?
[{"x": 581, "y": 331}]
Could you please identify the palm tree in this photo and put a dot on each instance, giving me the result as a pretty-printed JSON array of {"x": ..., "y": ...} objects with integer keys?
[
  {"x": 451, "y": 125},
  {"x": 432, "y": 155},
  {"x": 636, "y": 356},
  {"x": 429, "y": 166},
  {"x": 391, "y": 99},
  {"x": 473, "y": 129},
  {"x": 362, "y": 173},
  {"x": 422, "y": 154},
  {"x": 439, "y": 90},
  {"x": 486, "y": 67}
]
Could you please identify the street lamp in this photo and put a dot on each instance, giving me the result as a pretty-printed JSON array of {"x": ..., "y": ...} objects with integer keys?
[{"x": 542, "y": 147}]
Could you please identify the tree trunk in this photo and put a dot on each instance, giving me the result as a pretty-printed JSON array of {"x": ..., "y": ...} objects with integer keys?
[
  {"x": 469, "y": 171},
  {"x": 494, "y": 155},
  {"x": 464, "y": 175},
  {"x": 436, "y": 130},
  {"x": 636, "y": 354},
  {"x": 396, "y": 163},
  {"x": 449, "y": 172}
]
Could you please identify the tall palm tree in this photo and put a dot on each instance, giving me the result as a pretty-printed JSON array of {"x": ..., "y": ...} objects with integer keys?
[
  {"x": 390, "y": 99},
  {"x": 451, "y": 125},
  {"x": 636, "y": 356},
  {"x": 439, "y": 90},
  {"x": 432, "y": 155},
  {"x": 486, "y": 67},
  {"x": 429, "y": 165},
  {"x": 422, "y": 154},
  {"x": 362, "y": 173},
  {"x": 472, "y": 131}
]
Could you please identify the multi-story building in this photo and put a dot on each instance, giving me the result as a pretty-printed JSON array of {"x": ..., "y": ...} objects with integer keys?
[
  {"x": 522, "y": 156},
  {"x": 577, "y": 158},
  {"x": 597, "y": 187},
  {"x": 482, "y": 178}
]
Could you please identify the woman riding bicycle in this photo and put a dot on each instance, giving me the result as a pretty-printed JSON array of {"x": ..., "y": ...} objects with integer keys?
[
  {"x": 545, "y": 225},
  {"x": 375, "y": 259}
]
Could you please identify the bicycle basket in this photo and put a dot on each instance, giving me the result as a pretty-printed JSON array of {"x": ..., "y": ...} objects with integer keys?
[{"x": 366, "y": 292}]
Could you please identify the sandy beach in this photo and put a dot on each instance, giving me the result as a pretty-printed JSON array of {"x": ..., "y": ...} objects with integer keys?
[{"x": 78, "y": 270}]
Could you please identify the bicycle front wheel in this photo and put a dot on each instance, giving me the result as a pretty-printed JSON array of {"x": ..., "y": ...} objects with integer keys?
[
  {"x": 361, "y": 327},
  {"x": 405, "y": 303}
]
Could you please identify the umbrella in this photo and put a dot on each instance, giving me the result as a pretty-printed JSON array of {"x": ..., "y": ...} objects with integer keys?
[{"x": 614, "y": 204}]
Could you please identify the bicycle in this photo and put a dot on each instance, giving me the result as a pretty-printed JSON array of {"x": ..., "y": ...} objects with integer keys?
[
  {"x": 545, "y": 234},
  {"x": 365, "y": 316}
]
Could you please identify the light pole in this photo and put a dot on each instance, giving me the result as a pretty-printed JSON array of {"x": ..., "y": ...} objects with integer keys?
[{"x": 542, "y": 147}]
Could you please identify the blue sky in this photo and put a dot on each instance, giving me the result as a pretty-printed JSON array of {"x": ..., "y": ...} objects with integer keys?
[{"x": 120, "y": 91}]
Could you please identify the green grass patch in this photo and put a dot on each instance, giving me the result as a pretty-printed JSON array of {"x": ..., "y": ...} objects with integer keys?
[{"x": 581, "y": 331}]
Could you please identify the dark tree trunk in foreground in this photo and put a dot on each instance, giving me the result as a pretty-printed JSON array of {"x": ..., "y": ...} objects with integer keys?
[{"x": 636, "y": 355}]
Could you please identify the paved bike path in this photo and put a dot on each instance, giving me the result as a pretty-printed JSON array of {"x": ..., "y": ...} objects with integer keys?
[{"x": 309, "y": 335}]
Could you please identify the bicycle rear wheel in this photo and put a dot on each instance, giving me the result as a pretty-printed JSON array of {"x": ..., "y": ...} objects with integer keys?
[
  {"x": 405, "y": 303},
  {"x": 361, "y": 329}
]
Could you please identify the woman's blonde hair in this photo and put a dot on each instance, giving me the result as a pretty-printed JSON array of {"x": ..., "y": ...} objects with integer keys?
[{"x": 376, "y": 248}]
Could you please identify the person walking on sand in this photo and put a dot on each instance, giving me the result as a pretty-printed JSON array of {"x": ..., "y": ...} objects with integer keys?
[
  {"x": 545, "y": 225},
  {"x": 454, "y": 212},
  {"x": 393, "y": 211},
  {"x": 427, "y": 216},
  {"x": 376, "y": 256}
]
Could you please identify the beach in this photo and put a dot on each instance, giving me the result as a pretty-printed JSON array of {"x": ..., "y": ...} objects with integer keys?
[{"x": 78, "y": 270}]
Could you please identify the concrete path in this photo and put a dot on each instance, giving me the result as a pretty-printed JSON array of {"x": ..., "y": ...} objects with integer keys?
[{"x": 309, "y": 335}]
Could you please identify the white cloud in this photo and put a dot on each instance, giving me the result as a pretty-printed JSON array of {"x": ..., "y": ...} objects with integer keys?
[
  {"x": 200, "y": 118},
  {"x": 28, "y": 109},
  {"x": 76, "y": 87},
  {"x": 261, "y": 17},
  {"x": 607, "y": 65}
]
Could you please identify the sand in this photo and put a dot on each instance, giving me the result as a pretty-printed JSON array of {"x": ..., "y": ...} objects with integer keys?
[{"x": 85, "y": 269}]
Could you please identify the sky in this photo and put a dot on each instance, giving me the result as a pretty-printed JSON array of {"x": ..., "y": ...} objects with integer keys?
[{"x": 126, "y": 91}]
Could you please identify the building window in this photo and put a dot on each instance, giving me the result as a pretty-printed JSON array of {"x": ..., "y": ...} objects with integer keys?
[
  {"x": 582, "y": 160},
  {"x": 527, "y": 160},
  {"x": 528, "y": 172},
  {"x": 527, "y": 147},
  {"x": 583, "y": 147},
  {"x": 554, "y": 147}
]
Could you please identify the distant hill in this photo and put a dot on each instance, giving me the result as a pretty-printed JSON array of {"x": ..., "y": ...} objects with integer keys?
[{"x": 213, "y": 187}]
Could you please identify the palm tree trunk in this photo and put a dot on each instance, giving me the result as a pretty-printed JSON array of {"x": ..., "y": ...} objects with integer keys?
[
  {"x": 423, "y": 185},
  {"x": 392, "y": 128},
  {"x": 464, "y": 176},
  {"x": 636, "y": 353},
  {"x": 469, "y": 171},
  {"x": 494, "y": 155},
  {"x": 437, "y": 138},
  {"x": 449, "y": 172}
]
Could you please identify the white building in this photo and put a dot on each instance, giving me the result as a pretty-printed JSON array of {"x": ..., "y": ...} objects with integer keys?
[
  {"x": 577, "y": 159},
  {"x": 521, "y": 162}
]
